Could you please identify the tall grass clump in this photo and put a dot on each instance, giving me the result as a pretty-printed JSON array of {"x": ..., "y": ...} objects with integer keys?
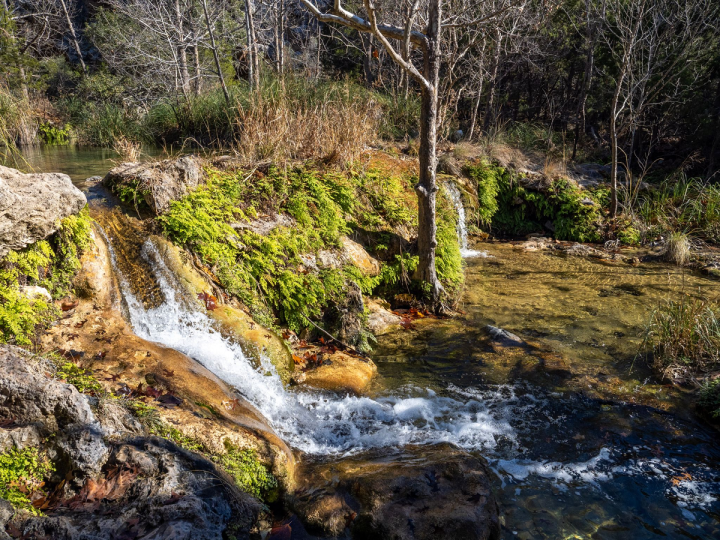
[
  {"x": 17, "y": 125},
  {"x": 296, "y": 119},
  {"x": 684, "y": 337},
  {"x": 677, "y": 249},
  {"x": 682, "y": 204}
]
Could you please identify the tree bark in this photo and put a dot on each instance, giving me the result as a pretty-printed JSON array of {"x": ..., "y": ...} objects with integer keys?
[
  {"x": 426, "y": 188},
  {"x": 490, "y": 112},
  {"x": 182, "y": 51},
  {"x": 587, "y": 80},
  {"x": 254, "y": 64},
  {"x": 76, "y": 44},
  {"x": 221, "y": 78}
]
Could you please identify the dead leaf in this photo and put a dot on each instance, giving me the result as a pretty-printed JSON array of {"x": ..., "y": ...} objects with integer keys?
[{"x": 67, "y": 305}]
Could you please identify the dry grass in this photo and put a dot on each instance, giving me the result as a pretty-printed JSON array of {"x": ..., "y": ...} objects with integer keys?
[
  {"x": 684, "y": 337},
  {"x": 17, "y": 125},
  {"x": 128, "y": 150},
  {"x": 283, "y": 127},
  {"x": 677, "y": 249}
]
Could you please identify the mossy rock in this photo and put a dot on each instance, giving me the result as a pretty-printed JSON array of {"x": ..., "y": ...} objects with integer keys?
[{"x": 254, "y": 338}]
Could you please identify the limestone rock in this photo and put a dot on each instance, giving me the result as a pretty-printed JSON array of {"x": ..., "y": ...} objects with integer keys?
[
  {"x": 29, "y": 394},
  {"x": 340, "y": 373},
  {"x": 419, "y": 492},
  {"x": 167, "y": 494},
  {"x": 160, "y": 182},
  {"x": 381, "y": 320},
  {"x": 33, "y": 291},
  {"x": 360, "y": 258},
  {"x": 32, "y": 205}
]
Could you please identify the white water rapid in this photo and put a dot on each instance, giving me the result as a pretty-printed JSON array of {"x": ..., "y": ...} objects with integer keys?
[
  {"x": 456, "y": 198},
  {"x": 502, "y": 422},
  {"x": 313, "y": 422}
]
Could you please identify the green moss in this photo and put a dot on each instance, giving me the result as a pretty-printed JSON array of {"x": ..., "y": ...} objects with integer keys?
[
  {"x": 249, "y": 473},
  {"x": 267, "y": 270},
  {"x": 487, "y": 179},
  {"x": 50, "y": 263},
  {"x": 80, "y": 378},
  {"x": 22, "y": 473},
  {"x": 512, "y": 209}
]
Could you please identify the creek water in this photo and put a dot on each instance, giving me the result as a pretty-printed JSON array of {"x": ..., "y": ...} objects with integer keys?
[{"x": 584, "y": 442}]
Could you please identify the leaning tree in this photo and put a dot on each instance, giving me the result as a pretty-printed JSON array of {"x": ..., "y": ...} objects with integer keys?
[{"x": 422, "y": 25}]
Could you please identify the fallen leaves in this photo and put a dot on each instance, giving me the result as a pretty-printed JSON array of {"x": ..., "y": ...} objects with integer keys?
[
  {"x": 67, "y": 305},
  {"x": 209, "y": 299},
  {"x": 677, "y": 480}
]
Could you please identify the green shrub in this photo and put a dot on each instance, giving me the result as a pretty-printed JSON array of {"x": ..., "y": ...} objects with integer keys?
[
  {"x": 710, "y": 397},
  {"x": 80, "y": 378},
  {"x": 684, "y": 336},
  {"x": 22, "y": 473},
  {"x": 512, "y": 209},
  {"x": 55, "y": 135}
]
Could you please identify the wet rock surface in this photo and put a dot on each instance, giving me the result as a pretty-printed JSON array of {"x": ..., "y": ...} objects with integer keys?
[
  {"x": 31, "y": 205},
  {"x": 158, "y": 183},
  {"x": 149, "y": 489},
  {"x": 419, "y": 492}
]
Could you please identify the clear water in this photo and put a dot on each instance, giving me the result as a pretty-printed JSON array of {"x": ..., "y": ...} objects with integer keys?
[
  {"x": 585, "y": 443},
  {"x": 570, "y": 464}
]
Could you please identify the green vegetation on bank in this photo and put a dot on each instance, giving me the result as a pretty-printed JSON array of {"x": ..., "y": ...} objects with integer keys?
[
  {"x": 506, "y": 207},
  {"x": 22, "y": 474},
  {"x": 683, "y": 341},
  {"x": 269, "y": 271},
  {"x": 51, "y": 264}
]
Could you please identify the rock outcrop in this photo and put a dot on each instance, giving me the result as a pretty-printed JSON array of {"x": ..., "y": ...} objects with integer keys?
[
  {"x": 419, "y": 492},
  {"x": 157, "y": 183},
  {"x": 32, "y": 205}
]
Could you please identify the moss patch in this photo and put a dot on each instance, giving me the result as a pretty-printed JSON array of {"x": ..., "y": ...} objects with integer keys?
[
  {"x": 509, "y": 208},
  {"x": 267, "y": 271},
  {"x": 50, "y": 263},
  {"x": 22, "y": 474}
]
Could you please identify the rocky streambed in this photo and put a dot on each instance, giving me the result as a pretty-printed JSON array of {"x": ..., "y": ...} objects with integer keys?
[{"x": 523, "y": 417}]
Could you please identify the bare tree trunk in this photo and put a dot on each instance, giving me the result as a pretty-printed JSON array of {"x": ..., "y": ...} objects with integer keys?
[
  {"x": 221, "y": 78},
  {"x": 198, "y": 72},
  {"x": 614, "y": 145},
  {"x": 490, "y": 112},
  {"x": 76, "y": 44},
  {"x": 279, "y": 35},
  {"x": 182, "y": 52},
  {"x": 254, "y": 64},
  {"x": 426, "y": 187}
]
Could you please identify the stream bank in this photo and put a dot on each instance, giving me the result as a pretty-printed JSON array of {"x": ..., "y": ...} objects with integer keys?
[{"x": 579, "y": 441}]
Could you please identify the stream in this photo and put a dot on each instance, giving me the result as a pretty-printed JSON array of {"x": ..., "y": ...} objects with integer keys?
[{"x": 584, "y": 441}]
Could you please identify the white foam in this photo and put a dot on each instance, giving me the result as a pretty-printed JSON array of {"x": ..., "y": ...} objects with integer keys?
[
  {"x": 456, "y": 199},
  {"x": 311, "y": 421}
]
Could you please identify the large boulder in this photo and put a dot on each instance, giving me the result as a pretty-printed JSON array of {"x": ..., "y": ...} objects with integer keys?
[
  {"x": 157, "y": 183},
  {"x": 32, "y": 205},
  {"x": 31, "y": 397},
  {"x": 151, "y": 490},
  {"x": 419, "y": 492}
]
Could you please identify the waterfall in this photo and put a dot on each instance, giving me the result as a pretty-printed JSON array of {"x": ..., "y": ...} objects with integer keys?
[
  {"x": 456, "y": 198},
  {"x": 315, "y": 422}
]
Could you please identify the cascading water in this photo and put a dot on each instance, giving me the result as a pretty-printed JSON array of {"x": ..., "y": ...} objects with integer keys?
[
  {"x": 313, "y": 422},
  {"x": 524, "y": 431},
  {"x": 456, "y": 198}
]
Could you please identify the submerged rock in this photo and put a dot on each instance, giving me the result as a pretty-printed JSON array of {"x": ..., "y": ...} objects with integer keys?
[
  {"x": 32, "y": 205},
  {"x": 419, "y": 492},
  {"x": 504, "y": 337},
  {"x": 381, "y": 320},
  {"x": 157, "y": 183}
]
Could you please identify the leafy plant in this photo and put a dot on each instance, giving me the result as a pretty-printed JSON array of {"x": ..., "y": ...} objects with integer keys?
[
  {"x": 80, "y": 378},
  {"x": 710, "y": 397},
  {"x": 22, "y": 473},
  {"x": 249, "y": 473}
]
